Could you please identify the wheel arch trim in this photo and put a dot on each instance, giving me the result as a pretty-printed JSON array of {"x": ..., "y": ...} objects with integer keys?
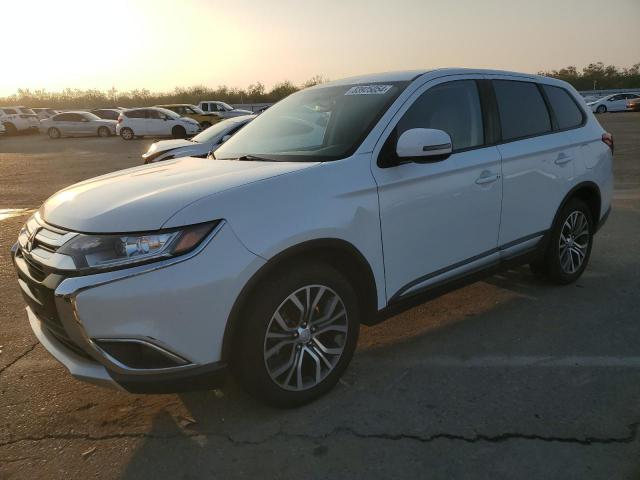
[{"x": 318, "y": 248}]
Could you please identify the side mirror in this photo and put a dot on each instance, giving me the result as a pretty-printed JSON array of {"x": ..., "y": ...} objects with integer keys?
[
  {"x": 424, "y": 145},
  {"x": 225, "y": 138}
]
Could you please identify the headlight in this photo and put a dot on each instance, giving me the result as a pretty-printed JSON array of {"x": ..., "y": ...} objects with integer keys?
[
  {"x": 124, "y": 250},
  {"x": 153, "y": 147}
]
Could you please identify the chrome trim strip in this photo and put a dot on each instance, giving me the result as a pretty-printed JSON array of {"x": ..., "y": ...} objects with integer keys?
[{"x": 176, "y": 358}]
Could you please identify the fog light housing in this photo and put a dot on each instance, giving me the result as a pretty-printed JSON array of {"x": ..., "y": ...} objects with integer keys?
[{"x": 139, "y": 354}]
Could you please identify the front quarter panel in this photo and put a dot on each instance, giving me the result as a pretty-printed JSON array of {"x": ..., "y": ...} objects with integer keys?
[{"x": 332, "y": 200}]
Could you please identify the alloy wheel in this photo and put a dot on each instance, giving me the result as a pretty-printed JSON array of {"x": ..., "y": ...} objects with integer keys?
[
  {"x": 574, "y": 242},
  {"x": 305, "y": 338}
]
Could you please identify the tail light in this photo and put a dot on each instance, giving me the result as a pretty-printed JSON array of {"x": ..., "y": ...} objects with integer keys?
[
  {"x": 608, "y": 139},
  {"x": 119, "y": 118}
]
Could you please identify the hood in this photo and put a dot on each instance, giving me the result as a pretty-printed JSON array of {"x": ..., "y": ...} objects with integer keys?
[
  {"x": 164, "y": 145},
  {"x": 144, "y": 198}
]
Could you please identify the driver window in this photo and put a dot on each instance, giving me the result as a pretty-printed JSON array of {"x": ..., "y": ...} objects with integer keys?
[{"x": 453, "y": 107}]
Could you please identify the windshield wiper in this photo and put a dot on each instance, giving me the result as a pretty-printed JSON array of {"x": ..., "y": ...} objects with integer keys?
[{"x": 256, "y": 158}]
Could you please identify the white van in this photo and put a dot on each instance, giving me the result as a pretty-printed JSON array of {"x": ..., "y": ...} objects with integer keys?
[
  {"x": 154, "y": 122},
  {"x": 268, "y": 258}
]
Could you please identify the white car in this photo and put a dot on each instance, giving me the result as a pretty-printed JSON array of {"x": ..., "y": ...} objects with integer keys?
[
  {"x": 77, "y": 124},
  {"x": 222, "y": 109},
  {"x": 44, "y": 113},
  {"x": 612, "y": 103},
  {"x": 201, "y": 145},
  {"x": 154, "y": 122},
  {"x": 19, "y": 119},
  {"x": 161, "y": 277}
]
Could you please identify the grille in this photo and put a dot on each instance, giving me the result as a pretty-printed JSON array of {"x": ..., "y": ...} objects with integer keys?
[{"x": 38, "y": 292}]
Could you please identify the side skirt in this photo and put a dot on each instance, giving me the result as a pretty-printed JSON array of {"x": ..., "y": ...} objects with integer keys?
[{"x": 401, "y": 303}]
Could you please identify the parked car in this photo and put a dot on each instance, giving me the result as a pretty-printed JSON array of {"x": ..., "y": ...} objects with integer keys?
[
  {"x": 205, "y": 119},
  {"x": 18, "y": 119},
  {"x": 76, "y": 124},
  {"x": 223, "y": 110},
  {"x": 612, "y": 103},
  {"x": 107, "y": 113},
  {"x": 161, "y": 277},
  {"x": 201, "y": 145},
  {"x": 44, "y": 113},
  {"x": 156, "y": 122},
  {"x": 633, "y": 105}
]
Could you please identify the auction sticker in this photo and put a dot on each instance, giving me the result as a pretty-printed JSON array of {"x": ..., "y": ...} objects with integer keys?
[{"x": 368, "y": 90}]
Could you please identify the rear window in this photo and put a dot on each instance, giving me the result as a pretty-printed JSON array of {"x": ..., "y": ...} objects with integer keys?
[
  {"x": 136, "y": 114},
  {"x": 567, "y": 113},
  {"x": 523, "y": 112}
]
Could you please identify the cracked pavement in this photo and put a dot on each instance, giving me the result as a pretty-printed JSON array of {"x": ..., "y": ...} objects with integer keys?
[{"x": 507, "y": 378}]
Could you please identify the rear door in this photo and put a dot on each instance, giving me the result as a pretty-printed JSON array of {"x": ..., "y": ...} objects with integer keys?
[{"x": 537, "y": 161}]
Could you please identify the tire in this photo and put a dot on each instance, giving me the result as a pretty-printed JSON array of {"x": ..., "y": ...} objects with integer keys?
[
  {"x": 570, "y": 244},
  {"x": 126, "y": 133},
  {"x": 601, "y": 109},
  {"x": 178, "y": 132},
  {"x": 10, "y": 129},
  {"x": 54, "y": 133},
  {"x": 104, "y": 132},
  {"x": 205, "y": 125},
  {"x": 320, "y": 355}
]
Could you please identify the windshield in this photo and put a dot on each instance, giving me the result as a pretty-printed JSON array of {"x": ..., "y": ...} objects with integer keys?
[
  {"x": 226, "y": 106},
  {"x": 195, "y": 109},
  {"x": 317, "y": 124},
  {"x": 216, "y": 130}
]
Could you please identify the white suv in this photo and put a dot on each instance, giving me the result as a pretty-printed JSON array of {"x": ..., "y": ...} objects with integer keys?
[
  {"x": 340, "y": 205},
  {"x": 154, "y": 122},
  {"x": 19, "y": 119}
]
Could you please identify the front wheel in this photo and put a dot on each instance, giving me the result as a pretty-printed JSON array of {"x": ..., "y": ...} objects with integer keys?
[
  {"x": 299, "y": 335},
  {"x": 601, "y": 109},
  {"x": 126, "y": 133},
  {"x": 569, "y": 246},
  {"x": 54, "y": 133}
]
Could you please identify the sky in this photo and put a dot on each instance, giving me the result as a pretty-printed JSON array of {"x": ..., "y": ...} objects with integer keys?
[{"x": 161, "y": 44}]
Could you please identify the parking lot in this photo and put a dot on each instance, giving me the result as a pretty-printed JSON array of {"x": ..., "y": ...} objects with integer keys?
[{"x": 506, "y": 378}]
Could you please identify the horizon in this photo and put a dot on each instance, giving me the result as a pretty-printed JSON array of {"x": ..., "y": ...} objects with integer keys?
[{"x": 141, "y": 44}]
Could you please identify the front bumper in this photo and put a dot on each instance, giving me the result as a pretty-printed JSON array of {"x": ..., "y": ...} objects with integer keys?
[{"x": 177, "y": 308}]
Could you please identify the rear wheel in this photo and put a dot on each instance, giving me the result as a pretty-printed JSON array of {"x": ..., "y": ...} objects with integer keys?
[
  {"x": 126, "y": 133},
  {"x": 601, "y": 109},
  {"x": 104, "y": 132},
  {"x": 54, "y": 133},
  {"x": 570, "y": 245},
  {"x": 299, "y": 335},
  {"x": 178, "y": 132}
]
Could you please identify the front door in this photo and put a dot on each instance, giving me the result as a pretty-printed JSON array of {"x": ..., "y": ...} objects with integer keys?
[{"x": 439, "y": 219}]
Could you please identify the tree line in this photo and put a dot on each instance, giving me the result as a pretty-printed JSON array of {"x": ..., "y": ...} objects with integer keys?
[
  {"x": 71, "y": 98},
  {"x": 598, "y": 76}
]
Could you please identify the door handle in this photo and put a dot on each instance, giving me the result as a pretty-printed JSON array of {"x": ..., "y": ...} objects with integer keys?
[
  {"x": 563, "y": 158},
  {"x": 487, "y": 177}
]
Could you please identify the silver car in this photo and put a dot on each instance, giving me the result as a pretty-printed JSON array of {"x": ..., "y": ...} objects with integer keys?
[{"x": 75, "y": 124}]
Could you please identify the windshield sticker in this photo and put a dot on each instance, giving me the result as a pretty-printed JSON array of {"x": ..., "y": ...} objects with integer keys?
[{"x": 368, "y": 90}]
